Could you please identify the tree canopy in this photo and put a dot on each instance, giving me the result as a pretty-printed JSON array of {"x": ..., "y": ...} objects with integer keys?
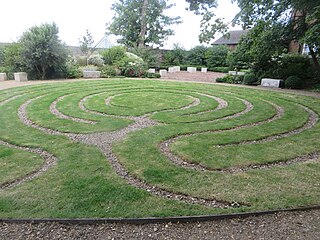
[
  {"x": 142, "y": 22},
  {"x": 42, "y": 53}
]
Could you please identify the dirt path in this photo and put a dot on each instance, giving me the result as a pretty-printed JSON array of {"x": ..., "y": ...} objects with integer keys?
[{"x": 289, "y": 225}]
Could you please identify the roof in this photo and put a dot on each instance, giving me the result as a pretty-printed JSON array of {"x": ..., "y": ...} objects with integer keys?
[{"x": 234, "y": 38}]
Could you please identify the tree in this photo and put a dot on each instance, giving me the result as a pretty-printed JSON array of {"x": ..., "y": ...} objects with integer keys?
[
  {"x": 86, "y": 43},
  {"x": 43, "y": 54},
  {"x": 300, "y": 17},
  {"x": 142, "y": 23}
]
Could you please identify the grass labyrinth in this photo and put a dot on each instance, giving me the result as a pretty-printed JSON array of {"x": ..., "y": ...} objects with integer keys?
[{"x": 122, "y": 148}]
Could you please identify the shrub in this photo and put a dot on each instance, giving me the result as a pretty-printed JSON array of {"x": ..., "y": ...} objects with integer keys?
[
  {"x": 197, "y": 56},
  {"x": 293, "y": 82},
  {"x": 175, "y": 57},
  {"x": 108, "y": 71},
  {"x": 231, "y": 79},
  {"x": 151, "y": 57},
  {"x": 72, "y": 69},
  {"x": 216, "y": 56},
  {"x": 249, "y": 79},
  {"x": 96, "y": 60},
  {"x": 151, "y": 75},
  {"x": 113, "y": 55},
  {"x": 88, "y": 68},
  {"x": 293, "y": 65},
  {"x": 220, "y": 69},
  {"x": 131, "y": 65}
]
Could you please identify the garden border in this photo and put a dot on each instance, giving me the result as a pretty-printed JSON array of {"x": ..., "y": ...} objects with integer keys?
[{"x": 152, "y": 220}]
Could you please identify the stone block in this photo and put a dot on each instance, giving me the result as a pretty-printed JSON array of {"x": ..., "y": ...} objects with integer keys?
[
  {"x": 236, "y": 73},
  {"x": 192, "y": 69},
  {"x": 91, "y": 74},
  {"x": 269, "y": 82},
  {"x": 171, "y": 69},
  {"x": 151, "y": 70},
  {"x": 177, "y": 68},
  {"x": 204, "y": 70},
  {"x": 163, "y": 73},
  {"x": 3, "y": 77},
  {"x": 21, "y": 76}
]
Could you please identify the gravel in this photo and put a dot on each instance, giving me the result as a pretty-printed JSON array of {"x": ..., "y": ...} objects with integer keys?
[{"x": 285, "y": 225}]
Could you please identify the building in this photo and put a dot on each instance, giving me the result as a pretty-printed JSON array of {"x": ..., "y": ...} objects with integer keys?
[{"x": 232, "y": 39}]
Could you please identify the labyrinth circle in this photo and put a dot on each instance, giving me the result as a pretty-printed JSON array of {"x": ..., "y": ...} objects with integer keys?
[{"x": 128, "y": 148}]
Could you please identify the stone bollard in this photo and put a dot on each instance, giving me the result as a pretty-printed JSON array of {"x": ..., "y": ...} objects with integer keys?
[
  {"x": 3, "y": 77},
  {"x": 204, "y": 70},
  {"x": 192, "y": 69},
  {"x": 177, "y": 68},
  {"x": 91, "y": 74},
  {"x": 171, "y": 69},
  {"x": 269, "y": 82},
  {"x": 151, "y": 70},
  {"x": 163, "y": 73},
  {"x": 21, "y": 76}
]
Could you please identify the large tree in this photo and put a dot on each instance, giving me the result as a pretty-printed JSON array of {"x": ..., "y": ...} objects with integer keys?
[
  {"x": 43, "y": 54},
  {"x": 301, "y": 17},
  {"x": 142, "y": 22}
]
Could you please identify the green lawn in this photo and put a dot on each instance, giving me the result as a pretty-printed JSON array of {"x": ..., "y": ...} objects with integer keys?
[{"x": 84, "y": 184}]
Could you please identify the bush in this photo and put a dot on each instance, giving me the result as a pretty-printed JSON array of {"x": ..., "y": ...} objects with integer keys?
[
  {"x": 108, "y": 71},
  {"x": 249, "y": 79},
  {"x": 151, "y": 75},
  {"x": 229, "y": 79},
  {"x": 197, "y": 56},
  {"x": 220, "y": 69},
  {"x": 216, "y": 56},
  {"x": 131, "y": 65},
  {"x": 151, "y": 57},
  {"x": 293, "y": 65},
  {"x": 96, "y": 60},
  {"x": 293, "y": 82},
  {"x": 72, "y": 69},
  {"x": 113, "y": 55}
]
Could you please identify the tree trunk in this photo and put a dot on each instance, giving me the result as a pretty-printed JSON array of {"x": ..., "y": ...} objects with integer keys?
[
  {"x": 143, "y": 30},
  {"x": 315, "y": 59}
]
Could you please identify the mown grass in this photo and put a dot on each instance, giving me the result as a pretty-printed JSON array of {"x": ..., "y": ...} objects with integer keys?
[
  {"x": 16, "y": 163},
  {"x": 83, "y": 184}
]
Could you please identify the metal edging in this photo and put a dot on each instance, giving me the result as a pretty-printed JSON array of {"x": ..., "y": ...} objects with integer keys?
[{"x": 151, "y": 220}]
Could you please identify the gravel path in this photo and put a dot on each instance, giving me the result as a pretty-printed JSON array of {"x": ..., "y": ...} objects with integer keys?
[
  {"x": 280, "y": 226},
  {"x": 289, "y": 225}
]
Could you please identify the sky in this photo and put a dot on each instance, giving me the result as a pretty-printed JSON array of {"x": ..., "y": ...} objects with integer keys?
[{"x": 74, "y": 17}]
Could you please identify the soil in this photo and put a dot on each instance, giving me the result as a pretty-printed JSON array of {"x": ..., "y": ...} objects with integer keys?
[{"x": 285, "y": 225}]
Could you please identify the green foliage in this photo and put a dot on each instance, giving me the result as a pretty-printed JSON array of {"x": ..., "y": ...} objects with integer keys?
[
  {"x": 230, "y": 79},
  {"x": 293, "y": 65},
  {"x": 96, "y": 60},
  {"x": 113, "y": 54},
  {"x": 221, "y": 69},
  {"x": 131, "y": 65},
  {"x": 176, "y": 56},
  {"x": 304, "y": 27},
  {"x": 250, "y": 79},
  {"x": 293, "y": 82},
  {"x": 127, "y": 22},
  {"x": 11, "y": 59},
  {"x": 43, "y": 55},
  {"x": 216, "y": 56},
  {"x": 151, "y": 57},
  {"x": 151, "y": 75},
  {"x": 197, "y": 56},
  {"x": 86, "y": 43},
  {"x": 72, "y": 69},
  {"x": 108, "y": 71}
]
